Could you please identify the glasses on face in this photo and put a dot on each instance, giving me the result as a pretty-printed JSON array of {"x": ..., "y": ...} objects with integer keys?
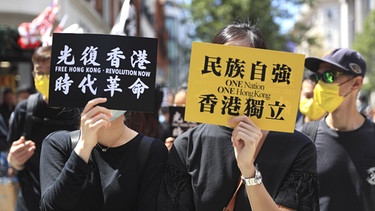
[
  {"x": 40, "y": 75},
  {"x": 328, "y": 76}
]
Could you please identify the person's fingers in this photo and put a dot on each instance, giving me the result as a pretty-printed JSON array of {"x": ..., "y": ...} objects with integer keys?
[
  {"x": 92, "y": 103},
  {"x": 20, "y": 141},
  {"x": 21, "y": 152},
  {"x": 25, "y": 156},
  {"x": 97, "y": 120},
  {"x": 29, "y": 143},
  {"x": 245, "y": 130},
  {"x": 235, "y": 120},
  {"x": 94, "y": 115}
]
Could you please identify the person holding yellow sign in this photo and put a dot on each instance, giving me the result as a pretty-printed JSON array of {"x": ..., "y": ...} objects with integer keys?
[{"x": 242, "y": 167}]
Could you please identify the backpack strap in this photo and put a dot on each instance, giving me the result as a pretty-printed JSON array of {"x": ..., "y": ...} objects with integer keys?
[
  {"x": 31, "y": 105},
  {"x": 74, "y": 137},
  {"x": 143, "y": 152},
  {"x": 311, "y": 129}
]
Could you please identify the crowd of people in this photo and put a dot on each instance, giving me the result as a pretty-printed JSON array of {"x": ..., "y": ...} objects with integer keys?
[{"x": 97, "y": 158}]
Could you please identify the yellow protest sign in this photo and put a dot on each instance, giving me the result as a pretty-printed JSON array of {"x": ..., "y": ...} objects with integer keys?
[{"x": 228, "y": 81}]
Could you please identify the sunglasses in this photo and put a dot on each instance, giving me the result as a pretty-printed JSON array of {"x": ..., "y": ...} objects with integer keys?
[{"x": 328, "y": 76}]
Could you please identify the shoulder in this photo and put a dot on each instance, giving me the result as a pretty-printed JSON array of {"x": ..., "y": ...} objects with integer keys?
[
  {"x": 296, "y": 140},
  {"x": 34, "y": 99},
  {"x": 58, "y": 139},
  {"x": 204, "y": 131},
  {"x": 21, "y": 106},
  {"x": 297, "y": 150},
  {"x": 202, "y": 139},
  {"x": 295, "y": 136},
  {"x": 153, "y": 148},
  {"x": 156, "y": 145}
]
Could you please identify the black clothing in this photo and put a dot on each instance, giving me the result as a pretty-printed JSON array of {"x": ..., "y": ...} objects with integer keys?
[
  {"x": 202, "y": 172},
  {"x": 45, "y": 121},
  {"x": 4, "y": 145},
  {"x": 6, "y": 111},
  {"x": 346, "y": 167},
  {"x": 110, "y": 181}
]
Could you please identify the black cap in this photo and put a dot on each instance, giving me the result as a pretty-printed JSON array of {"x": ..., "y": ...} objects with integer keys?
[{"x": 344, "y": 58}]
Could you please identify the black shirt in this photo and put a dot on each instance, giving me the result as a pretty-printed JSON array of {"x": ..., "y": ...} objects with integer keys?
[
  {"x": 202, "y": 172},
  {"x": 346, "y": 168},
  {"x": 110, "y": 181}
]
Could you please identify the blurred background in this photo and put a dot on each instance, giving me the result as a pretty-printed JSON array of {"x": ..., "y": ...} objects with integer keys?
[{"x": 310, "y": 27}]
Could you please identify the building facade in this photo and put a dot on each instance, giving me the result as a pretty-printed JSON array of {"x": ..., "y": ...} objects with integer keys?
[{"x": 332, "y": 23}]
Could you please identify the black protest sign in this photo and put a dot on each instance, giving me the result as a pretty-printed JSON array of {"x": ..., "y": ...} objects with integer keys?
[
  {"x": 177, "y": 120},
  {"x": 120, "y": 68}
]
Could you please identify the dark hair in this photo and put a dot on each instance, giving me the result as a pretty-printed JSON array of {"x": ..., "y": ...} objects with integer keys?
[
  {"x": 7, "y": 91},
  {"x": 41, "y": 54},
  {"x": 147, "y": 123},
  {"x": 245, "y": 32}
]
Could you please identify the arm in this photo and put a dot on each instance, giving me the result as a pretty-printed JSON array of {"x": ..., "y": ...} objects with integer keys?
[
  {"x": 62, "y": 173},
  {"x": 20, "y": 152},
  {"x": 93, "y": 118},
  {"x": 247, "y": 141},
  {"x": 300, "y": 186},
  {"x": 21, "y": 149}
]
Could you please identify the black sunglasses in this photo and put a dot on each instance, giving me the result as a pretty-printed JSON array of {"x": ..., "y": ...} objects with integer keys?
[{"x": 328, "y": 76}]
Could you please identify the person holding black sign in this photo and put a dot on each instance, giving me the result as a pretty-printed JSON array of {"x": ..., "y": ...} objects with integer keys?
[
  {"x": 103, "y": 166},
  {"x": 33, "y": 119},
  {"x": 270, "y": 170}
]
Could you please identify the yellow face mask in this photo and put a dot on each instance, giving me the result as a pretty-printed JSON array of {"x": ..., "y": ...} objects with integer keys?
[
  {"x": 42, "y": 86},
  {"x": 327, "y": 96},
  {"x": 311, "y": 109}
]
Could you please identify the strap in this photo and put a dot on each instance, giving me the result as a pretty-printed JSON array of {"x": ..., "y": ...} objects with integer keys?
[
  {"x": 143, "y": 151},
  {"x": 74, "y": 137},
  {"x": 311, "y": 129},
  {"x": 232, "y": 202},
  {"x": 32, "y": 103}
]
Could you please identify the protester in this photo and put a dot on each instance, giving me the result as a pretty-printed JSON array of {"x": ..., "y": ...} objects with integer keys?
[
  {"x": 3, "y": 135},
  {"x": 307, "y": 93},
  {"x": 164, "y": 110},
  {"x": 8, "y": 105},
  {"x": 178, "y": 100},
  {"x": 180, "y": 96},
  {"x": 33, "y": 120},
  {"x": 102, "y": 172},
  {"x": 344, "y": 138},
  {"x": 206, "y": 162}
]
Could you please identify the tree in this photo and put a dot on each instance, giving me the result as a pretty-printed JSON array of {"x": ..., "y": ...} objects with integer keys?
[
  {"x": 211, "y": 15},
  {"x": 365, "y": 43}
]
